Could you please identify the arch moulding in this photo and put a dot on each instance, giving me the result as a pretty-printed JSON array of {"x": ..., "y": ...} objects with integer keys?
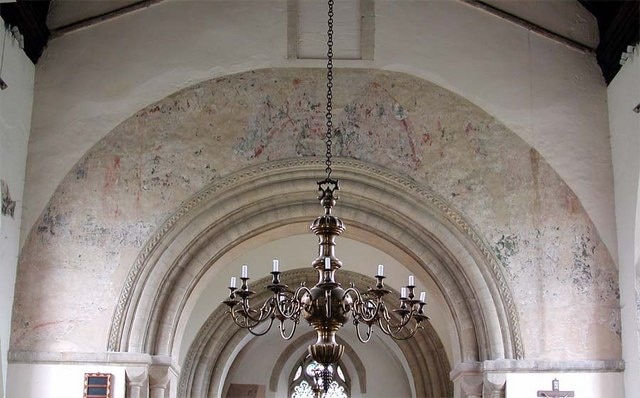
[{"x": 251, "y": 201}]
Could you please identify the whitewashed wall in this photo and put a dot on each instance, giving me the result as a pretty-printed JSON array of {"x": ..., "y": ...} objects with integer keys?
[
  {"x": 624, "y": 95},
  {"x": 59, "y": 381},
  {"x": 15, "y": 123},
  {"x": 553, "y": 96},
  {"x": 584, "y": 385}
]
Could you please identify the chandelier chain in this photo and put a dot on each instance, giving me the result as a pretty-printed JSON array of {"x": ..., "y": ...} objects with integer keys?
[{"x": 329, "y": 115}]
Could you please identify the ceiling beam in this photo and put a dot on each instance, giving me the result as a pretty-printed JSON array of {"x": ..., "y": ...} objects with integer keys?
[{"x": 30, "y": 17}]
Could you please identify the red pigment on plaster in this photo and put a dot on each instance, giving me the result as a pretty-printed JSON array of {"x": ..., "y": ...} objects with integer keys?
[
  {"x": 469, "y": 128},
  {"x": 112, "y": 173},
  {"x": 45, "y": 324},
  {"x": 409, "y": 131}
]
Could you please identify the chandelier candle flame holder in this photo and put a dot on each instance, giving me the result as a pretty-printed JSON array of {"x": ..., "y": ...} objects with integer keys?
[{"x": 327, "y": 306}]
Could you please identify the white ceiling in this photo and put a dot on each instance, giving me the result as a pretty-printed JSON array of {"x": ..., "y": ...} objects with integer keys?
[
  {"x": 568, "y": 19},
  {"x": 66, "y": 12}
]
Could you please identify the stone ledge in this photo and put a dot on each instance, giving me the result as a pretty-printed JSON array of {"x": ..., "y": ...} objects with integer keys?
[
  {"x": 80, "y": 358},
  {"x": 526, "y": 366}
]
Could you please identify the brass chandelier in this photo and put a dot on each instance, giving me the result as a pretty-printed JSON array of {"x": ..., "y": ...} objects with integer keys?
[{"x": 327, "y": 306}]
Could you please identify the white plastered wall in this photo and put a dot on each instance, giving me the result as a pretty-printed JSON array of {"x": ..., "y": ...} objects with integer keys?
[
  {"x": 624, "y": 95},
  {"x": 60, "y": 381},
  {"x": 584, "y": 385},
  {"x": 15, "y": 122},
  {"x": 552, "y": 96}
]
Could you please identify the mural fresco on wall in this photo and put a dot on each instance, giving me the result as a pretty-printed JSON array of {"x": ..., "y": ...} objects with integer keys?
[
  {"x": 122, "y": 189},
  {"x": 8, "y": 204}
]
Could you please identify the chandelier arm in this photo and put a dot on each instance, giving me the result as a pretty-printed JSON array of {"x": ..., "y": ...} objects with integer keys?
[
  {"x": 240, "y": 319},
  {"x": 411, "y": 331},
  {"x": 359, "y": 334},
  {"x": 355, "y": 292},
  {"x": 293, "y": 328},
  {"x": 263, "y": 332},
  {"x": 361, "y": 311},
  {"x": 405, "y": 317},
  {"x": 395, "y": 330},
  {"x": 299, "y": 293},
  {"x": 355, "y": 306},
  {"x": 383, "y": 321},
  {"x": 391, "y": 326},
  {"x": 265, "y": 311},
  {"x": 288, "y": 308}
]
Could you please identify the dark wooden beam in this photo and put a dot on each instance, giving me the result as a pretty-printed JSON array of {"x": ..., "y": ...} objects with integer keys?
[
  {"x": 619, "y": 26},
  {"x": 31, "y": 19}
]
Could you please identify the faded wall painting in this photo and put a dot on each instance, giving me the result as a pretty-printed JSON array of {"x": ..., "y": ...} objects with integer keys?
[{"x": 76, "y": 257}]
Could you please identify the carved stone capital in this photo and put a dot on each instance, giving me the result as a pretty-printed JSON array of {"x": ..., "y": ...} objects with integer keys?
[
  {"x": 493, "y": 385},
  {"x": 162, "y": 381},
  {"x": 467, "y": 380},
  {"x": 137, "y": 381}
]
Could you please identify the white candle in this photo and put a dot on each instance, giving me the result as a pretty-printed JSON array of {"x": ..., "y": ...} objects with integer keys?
[
  {"x": 380, "y": 270},
  {"x": 233, "y": 282},
  {"x": 403, "y": 292},
  {"x": 327, "y": 263},
  {"x": 276, "y": 265},
  {"x": 411, "y": 281},
  {"x": 245, "y": 271},
  {"x": 423, "y": 296}
]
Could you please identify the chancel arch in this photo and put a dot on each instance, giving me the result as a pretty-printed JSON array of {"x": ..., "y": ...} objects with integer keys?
[
  {"x": 443, "y": 189},
  {"x": 272, "y": 200}
]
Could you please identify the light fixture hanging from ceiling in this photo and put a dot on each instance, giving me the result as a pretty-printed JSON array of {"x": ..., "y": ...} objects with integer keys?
[{"x": 327, "y": 306}]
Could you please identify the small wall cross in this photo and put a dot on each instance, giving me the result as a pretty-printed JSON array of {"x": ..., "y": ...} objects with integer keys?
[{"x": 555, "y": 391}]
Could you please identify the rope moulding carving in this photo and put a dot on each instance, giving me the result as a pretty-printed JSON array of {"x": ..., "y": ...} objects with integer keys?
[{"x": 241, "y": 177}]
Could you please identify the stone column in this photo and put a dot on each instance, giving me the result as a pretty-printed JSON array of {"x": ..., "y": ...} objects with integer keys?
[
  {"x": 137, "y": 382},
  {"x": 162, "y": 382},
  {"x": 467, "y": 380},
  {"x": 493, "y": 385}
]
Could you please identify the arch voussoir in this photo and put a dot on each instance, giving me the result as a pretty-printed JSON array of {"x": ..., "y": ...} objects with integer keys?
[{"x": 377, "y": 202}]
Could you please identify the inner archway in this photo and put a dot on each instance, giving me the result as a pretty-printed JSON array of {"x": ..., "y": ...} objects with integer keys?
[{"x": 221, "y": 354}]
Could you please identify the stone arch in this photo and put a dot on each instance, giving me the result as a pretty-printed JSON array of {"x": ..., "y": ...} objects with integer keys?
[
  {"x": 276, "y": 194},
  {"x": 218, "y": 340}
]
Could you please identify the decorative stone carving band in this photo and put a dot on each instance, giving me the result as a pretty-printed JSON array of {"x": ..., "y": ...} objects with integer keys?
[{"x": 370, "y": 174}]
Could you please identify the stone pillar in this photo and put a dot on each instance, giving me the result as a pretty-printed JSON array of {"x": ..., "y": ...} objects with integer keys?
[
  {"x": 493, "y": 385},
  {"x": 137, "y": 382},
  {"x": 467, "y": 380},
  {"x": 162, "y": 382}
]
